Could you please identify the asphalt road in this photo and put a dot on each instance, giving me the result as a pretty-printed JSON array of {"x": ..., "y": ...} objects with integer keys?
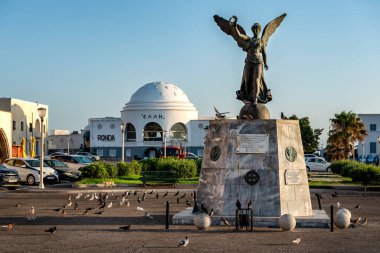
[{"x": 99, "y": 233}]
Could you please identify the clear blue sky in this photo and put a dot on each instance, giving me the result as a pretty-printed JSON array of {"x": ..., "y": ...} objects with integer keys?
[{"x": 86, "y": 58}]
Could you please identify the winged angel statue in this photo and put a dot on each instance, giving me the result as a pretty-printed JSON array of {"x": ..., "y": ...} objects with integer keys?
[{"x": 253, "y": 88}]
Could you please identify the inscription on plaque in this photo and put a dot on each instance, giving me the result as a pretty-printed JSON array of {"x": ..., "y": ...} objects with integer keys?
[
  {"x": 252, "y": 143},
  {"x": 293, "y": 177}
]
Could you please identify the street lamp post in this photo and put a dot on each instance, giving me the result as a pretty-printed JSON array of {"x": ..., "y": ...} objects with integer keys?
[
  {"x": 164, "y": 135},
  {"x": 362, "y": 151},
  {"x": 378, "y": 141},
  {"x": 42, "y": 113},
  {"x": 122, "y": 126}
]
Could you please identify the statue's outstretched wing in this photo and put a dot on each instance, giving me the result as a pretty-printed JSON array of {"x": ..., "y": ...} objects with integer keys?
[
  {"x": 228, "y": 29},
  {"x": 271, "y": 27}
]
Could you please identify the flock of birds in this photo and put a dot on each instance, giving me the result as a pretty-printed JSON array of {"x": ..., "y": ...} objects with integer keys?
[
  {"x": 106, "y": 200},
  {"x": 97, "y": 204}
]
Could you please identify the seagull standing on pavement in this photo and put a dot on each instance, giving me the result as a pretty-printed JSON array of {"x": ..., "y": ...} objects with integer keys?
[
  {"x": 225, "y": 222},
  {"x": 184, "y": 242},
  {"x": 148, "y": 215},
  {"x": 127, "y": 227}
]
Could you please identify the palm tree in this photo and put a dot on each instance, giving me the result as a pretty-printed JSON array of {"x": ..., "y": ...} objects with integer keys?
[{"x": 346, "y": 129}]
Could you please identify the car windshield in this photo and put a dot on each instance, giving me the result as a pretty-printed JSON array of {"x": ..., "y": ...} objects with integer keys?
[
  {"x": 35, "y": 163},
  {"x": 56, "y": 163},
  {"x": 83, "y": 159}
]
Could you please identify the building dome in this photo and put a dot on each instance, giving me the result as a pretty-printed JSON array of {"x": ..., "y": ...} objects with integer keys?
[{"x": 159, "y": 95}]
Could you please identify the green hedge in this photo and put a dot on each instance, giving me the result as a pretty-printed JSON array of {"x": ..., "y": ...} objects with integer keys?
[
  {"x": 95, "y": 170},
  {"x": 108, "y": 170},
  {"x": 357, "y": 171},
  {"x": 185, "y": 168}
]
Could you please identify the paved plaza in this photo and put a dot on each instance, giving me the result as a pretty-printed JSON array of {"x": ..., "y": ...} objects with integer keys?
[{"x": 99, "y": 233}]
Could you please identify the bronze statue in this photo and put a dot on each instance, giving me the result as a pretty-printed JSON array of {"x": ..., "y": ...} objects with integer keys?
[{"x": 253, "y": 88}]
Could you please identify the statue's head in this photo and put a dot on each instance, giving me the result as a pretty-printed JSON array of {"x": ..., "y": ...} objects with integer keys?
[{"x": 256, "y": 28}]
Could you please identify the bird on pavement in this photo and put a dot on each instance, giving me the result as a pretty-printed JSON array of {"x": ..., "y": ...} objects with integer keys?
[
  {"x": 76, "y": 206},
  {"x": 140, "y": 209},
  {"x": 138, "y": 199},
  {"x": 99, "y": 213},
  {"x": 184, "y": 195},
  {"x": 211, "y": 213},
  {"x": 18, "y": 205},
  {"x": 127, "y": 203},
  {"x": 10, "y": 226},
  {"x": 283, "y": 116},
  {"x": 176, "y": 193},
  {"x": 356, "y": 221},
  {"x": 109, "y": 205},
  {"x": 51, "y": 230},
  {"x": 184, "y": 243},
  {"x": 78, "y": 195},
  {"x": 337, "y": 205},
  {"x": 148, "y": 215},
  {"x": 364, "y": 222},
  {"x": 127, "y": 227},
  {"x": 166, "y": 194},
  {"x": 135, "y": 193},
  {"x": 157, "y": 196},
  {"x": 358, "y": 206},
  {"x": 32, "y": 214},
  {"x": 225, "y": 222},
  {"x": 188, "y": 203},
  {"x": 334, "y": 195},
  {"x": 296, "y": 241},
  {"x": 87, "y": 210},
  {"x": 178, "y": 200}
]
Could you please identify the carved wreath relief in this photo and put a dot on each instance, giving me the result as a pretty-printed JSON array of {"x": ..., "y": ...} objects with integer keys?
[{"x": 290, "y": 154}]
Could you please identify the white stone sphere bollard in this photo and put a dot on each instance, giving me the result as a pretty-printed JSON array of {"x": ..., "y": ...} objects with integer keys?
[
  {"x": 342, "y": 218},
  {"x": 202, "y": 221},
  {"x": 287, "y": 222}
]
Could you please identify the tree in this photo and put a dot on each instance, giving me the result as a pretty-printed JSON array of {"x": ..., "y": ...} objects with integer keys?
[
  {"x": 310, "y": 136},
  {"x": 345, "y": 129}
]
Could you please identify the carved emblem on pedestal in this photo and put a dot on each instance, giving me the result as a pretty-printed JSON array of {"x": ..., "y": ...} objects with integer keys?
[
  {"x": 252, "y": 177},
  {"x": 290, "y": 154},
  {"x": 215, "y": 153}
]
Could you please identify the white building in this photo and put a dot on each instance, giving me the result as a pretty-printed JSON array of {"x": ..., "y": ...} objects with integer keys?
[
  {"x": 370, "y": 146},
  {"x": 5, "y": 135},
  {"x": 24, "y": 123},
  {"x": 65, "y": 141},
  {"x": 157, "y": 112}
]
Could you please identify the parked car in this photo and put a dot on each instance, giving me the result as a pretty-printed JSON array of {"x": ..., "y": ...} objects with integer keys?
[
  {"x": 191, "y": 156},
  {"x": 29, "y": 170},
  {"x": 64, "y": 172},
  {"x": 317, "y": 164},
  {"x": 89, "y": 155},
  {"x": 73, "y": 161},
  {"x": 309, "y": 155},
  {"x": 9, "y": 178}
]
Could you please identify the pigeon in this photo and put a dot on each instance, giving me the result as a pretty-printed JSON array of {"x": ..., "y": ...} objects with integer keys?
[
  {"x": 184, "y": 195},
  {"x": 18, "y": 205},
  {"x": 166, "y": 194},
  {"x": 87, "y": 196},
  {"x": 337, "y": 205},
  {"x": 51, "y": 230},
  {"x": 103, "y": 206},
  {"x": 356, "y": 221},
  {"x": 138, "y": 199},
  {"x": 188, "y": 203},
  {"x": 220, "y": 115},
  {"x": 143, "y": 197},
  {"x": 148, "y": 215},
  {"x": 76, "y": 206},
  {"x": 10, "y": 226},
  {"x": 92, "y": 197},
  {"x": 238, "y": 204},
  {"x": 87, "y": 210},
  {"x": 32, "y": 214},
  {"x": 99, "y": 213},
  {"x": 135, "y": 193},
  {"x": 184, "y": 242},
  {"x": 178, "y": 200},
  {"x": 140, "y": 209},
  {"x": 151, "y": 193},
  {"x": 296, "y": 241},
  {"x": 176, "y": 193},
  {"x": 68, "y": 197},
  {"x": 283, "y": 116},
  {"x": 127, "y": 204},
  {"x": 225, "y": 222},
  {"x": 157, "y": 196},
  {"x": 334, "y": 195},
  {"x": 69, "y": 204},
  {"x": 250, "y": 204},
  {"x": 109, "y": 205},
  {"x": 358, "y": 206},
  {"x": 364, "y": 222},
  {"x": 211, "y": 213},
  {"x": 58, "y": 210},
  {"x": 127, "y": 227},
  {"x": 79, "y": 195}
]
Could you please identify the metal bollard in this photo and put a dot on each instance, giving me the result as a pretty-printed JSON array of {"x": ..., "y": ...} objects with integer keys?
[
  {"x": 319, "y": 201},
  {"x": 167, "y": 215},
  {"x": 332, "y": 218}
]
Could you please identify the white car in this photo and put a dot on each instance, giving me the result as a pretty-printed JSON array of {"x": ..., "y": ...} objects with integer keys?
[
  {"x": 29, "y": 170},
  {"x": 73, "y": 161},
  {"x": 317, "y": 164}
]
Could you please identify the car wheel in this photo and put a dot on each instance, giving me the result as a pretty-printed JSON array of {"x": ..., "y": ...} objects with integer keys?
[
  {"x": 30, "y": 180},
  {"x": 308, "y": 168}
]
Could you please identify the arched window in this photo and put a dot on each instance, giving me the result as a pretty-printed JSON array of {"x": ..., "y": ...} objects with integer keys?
[
  {"x": 152, "y": 132},
  {"x": 178, "y": 132},
  {"x": 130, "y": 132}
]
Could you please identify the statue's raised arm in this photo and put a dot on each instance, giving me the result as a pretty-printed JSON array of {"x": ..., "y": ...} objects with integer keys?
[{"x": 229, "y": 27}]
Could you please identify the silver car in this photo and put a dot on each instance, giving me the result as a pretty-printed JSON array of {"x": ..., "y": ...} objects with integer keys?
[{"x": 73, "y": 161}]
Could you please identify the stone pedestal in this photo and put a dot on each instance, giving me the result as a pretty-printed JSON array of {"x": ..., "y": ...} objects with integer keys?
[{"x": 259, "y": 160}]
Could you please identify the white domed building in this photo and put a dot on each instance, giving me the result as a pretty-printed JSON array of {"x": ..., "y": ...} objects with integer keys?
[{"x": 158, "y": 114}]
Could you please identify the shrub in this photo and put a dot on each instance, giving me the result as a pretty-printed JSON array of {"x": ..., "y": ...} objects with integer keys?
[
  {"x": 343, "y": 167},
  {"x": 185, "y": 168},
  {"x": 95, "y": 170},
  {"x": 135, "y": 167},
  {"x": 199, "y": 165},
  {"x": 123, "y": 168},
  {"x": 365, "y": 174},
  {"x": 111, "y": 169}
]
